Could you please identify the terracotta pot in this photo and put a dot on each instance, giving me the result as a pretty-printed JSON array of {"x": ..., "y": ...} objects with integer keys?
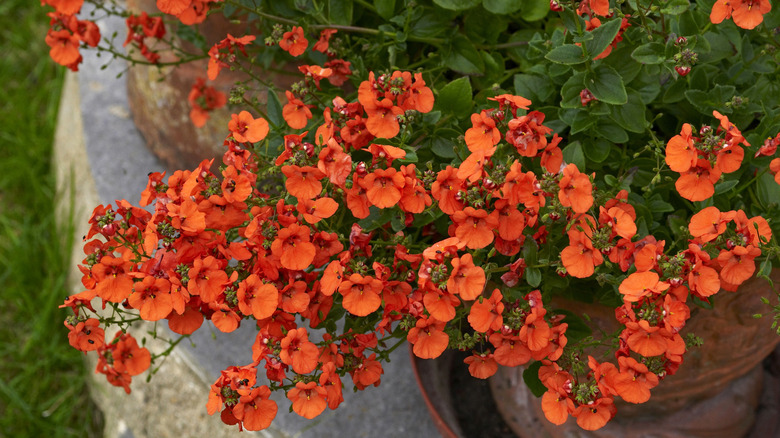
[
  {"x": 715, "y": 393},
  {"x": 729, "y": 387},
  {"x": 158, "y": 97}
]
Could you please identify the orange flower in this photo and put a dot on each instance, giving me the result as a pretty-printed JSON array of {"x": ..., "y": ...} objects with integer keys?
[
  {"x": 511, "y": 222},
  {"x": 64, "y": 47},
  {"x": 428, "y": 338},
  {"x": 698, "y": 183},
  {"x": 748, "y": 14},
  {"x": 112, "y": 280},
  {"x": 730, "y": 158},
  {"x": 445, "y": 190},
  {"x": 152, "y": 297},
  {"x": 645, "y": 340},
  {"x": 535, "y": 332},
  {"x": 322, "y": 44},
  {"x": 383, "y": 187},
  {"x": 481, "y": 365},
  {"x": 245, "y": 128},
  {"x": 187, "y": 218},
  {"x": 599, "y": 7},
  {"x": 576, "y": 189},
  {"x": 483, "y": 133},
  {"x": 466, "y": 279},
  {"x": 510, "y": 351},
  {"x": 709, "y": 223},
  {"x": 294, "y": 42},
  {"x": 641, "y": 284},
  {"x": 440, "y": 305},
  {"x": 721, "y": 10},
  {"x": 298, "y": 351},
  {"x": 485, "y": 314},
  {"x": 361, "y": 294},
  {"x": 594, "y": 416},
  {"x": 634, "y": 381},
  {"x": 207, "y": 278},
  {"x": 475, "y": 227},
  {"x": 65, "y": 7},
  {"x": 303, "y": 182},
  {"x": 580, "y": 258},
  {"x": 331, "y": 278},
  {"x": 556, "y": 407},
  {"x": 335, "y": 163},
  {"x": 315, "y": 211},
  {"x": 257, "y": 298},
  {"x": 173, "y": 7},
  {"x": 255, "y": 411},
  {"x": 295, "y": 112},
  {"x": 129, "y": 357},
  {"x": 681, "y": 154},
  {"x": 703, "y": 280},
  {"x": 86, "y": 335},
  {"x": 293, "y": 247},
  {"x": 738, "y": 264},
  {"x": 187, "y": 322},
  {"x": 382, "y": 119},
  {"x": 471, "y": 169},
  {"x": 308, "y": 399}
]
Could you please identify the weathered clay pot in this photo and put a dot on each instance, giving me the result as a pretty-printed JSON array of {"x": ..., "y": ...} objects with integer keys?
[
  {"x": 730, "y": 387},
  {"x": 715, "y": 393},
  {"x": 158, "y": 97}
]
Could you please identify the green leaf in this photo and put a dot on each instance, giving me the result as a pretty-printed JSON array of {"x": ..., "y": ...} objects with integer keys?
[
  {"x": 502, "y": 7},
  {"x": 457, "y": 5},
  {"x": 443, "y": 144},
  {"x": 463, "y": 57},
  {"x": 611, "y": 131},
  {"x": 533, "y": 87},
  {"x": 533, "y": 10},
  {"x": 385, "y": 8},
  {"x": 567, "y": 54},
  {"x": 657, "y": 205},
  {"x": 713, "y": 99},
  {"x": 606, "y": 85},
  {"x": 631, "y": 115},
  {"x": 650, "y": 53},
  {"x": 582, "y": 121},
  {"x": 340, "y": 12},
  {"x": 725, "y": 186},
  {"x": 532, "y": 381},
  {"x": 456, "y": 97},
  {"x": 768, "y": 191},
  {"x": 676, "y": 91},
  {"x": 602, "y": 37},
  {"x": 274, "y": 110},
  {"x": 570, "y": 91},
  {"x": 533, "y": 276},
  {"x": 675, "y": 7},
  {"x": 597, "y": 150},
  {"x": 573, "y": 153}
]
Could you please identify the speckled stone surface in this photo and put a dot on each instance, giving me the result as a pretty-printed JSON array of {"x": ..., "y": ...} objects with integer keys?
[{"x": 101, "y": 158}]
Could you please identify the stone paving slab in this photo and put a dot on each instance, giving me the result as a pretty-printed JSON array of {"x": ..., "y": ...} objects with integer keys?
[{"x": 101, "y": 157}]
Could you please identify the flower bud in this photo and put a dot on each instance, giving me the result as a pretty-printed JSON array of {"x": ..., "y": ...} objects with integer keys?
[
  {"x": 555, "y": 6},
  {"x": 360, "y": 169}
]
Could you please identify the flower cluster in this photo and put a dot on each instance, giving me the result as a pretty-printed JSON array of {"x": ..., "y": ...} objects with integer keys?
[{"x": 370, "y": 205}]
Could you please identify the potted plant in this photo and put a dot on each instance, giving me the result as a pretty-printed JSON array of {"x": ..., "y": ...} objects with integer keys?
[{"x": 453, "y": 174}]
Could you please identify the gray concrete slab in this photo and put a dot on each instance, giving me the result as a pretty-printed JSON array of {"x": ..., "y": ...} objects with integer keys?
[{"x": 118, "y": 163}]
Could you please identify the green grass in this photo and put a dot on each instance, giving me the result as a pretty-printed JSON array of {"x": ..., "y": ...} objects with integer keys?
[{"x": 42, "y": 379}]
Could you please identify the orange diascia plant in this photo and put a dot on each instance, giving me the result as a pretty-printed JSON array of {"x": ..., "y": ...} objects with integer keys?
[{"x": 375, "y": 214}]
